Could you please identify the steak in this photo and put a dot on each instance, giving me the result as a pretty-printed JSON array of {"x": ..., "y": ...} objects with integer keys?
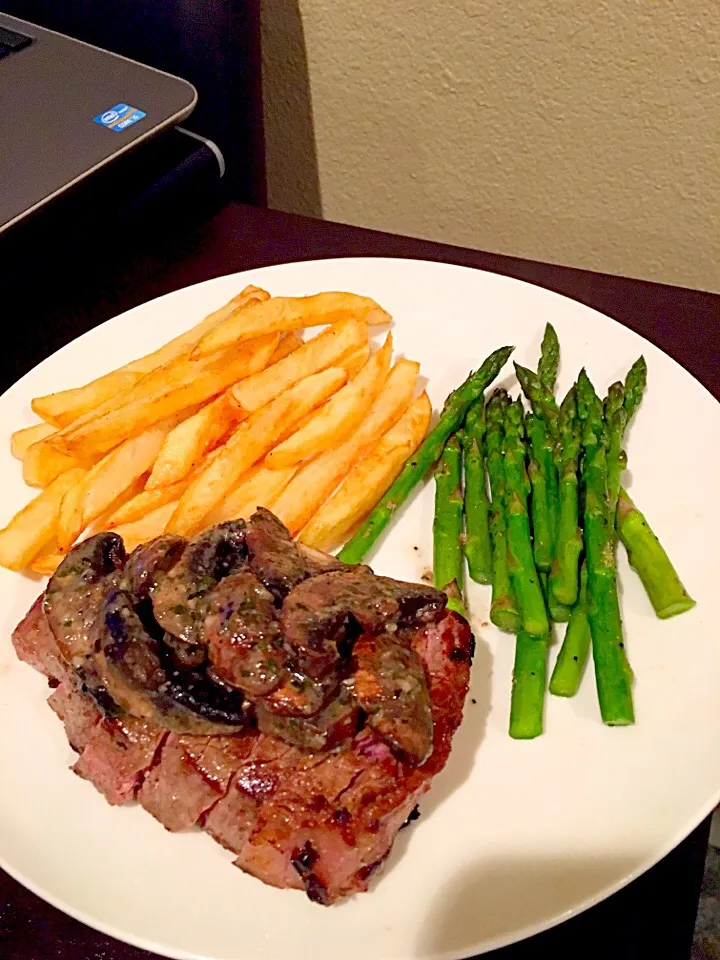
[
  {"x": 329, "y": 760},
  {"x": 192, "y": 774},
  {"x": 117, "y": 754},
  {"x": 35, "y": 643},
  {"x": 76, "y": 710},
  {"x": 257, "y": 775},
  {"x": 331, "y": 824}
]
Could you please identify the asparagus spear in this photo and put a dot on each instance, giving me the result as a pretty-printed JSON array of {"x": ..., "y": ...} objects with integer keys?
[
  {"x": 448, "y": 564},
  {"x": 620, "y": 404},
  {"x": 645, "y": 552},
  {"x": 612, "y": 672},
  {"x": 543, "y": 480},
  {"x": 527, "y": 699},
  {"x": 616, "y": 423},
  {"x": 542, "y": 429},
  {"x": 523, "y": 573},
  {"x": 635, "y": 384},
  {"x": 412, "y": 473},
  {"x": 549, "y": 358},
  {"x": 564, "y": 574},
  {"x": 478, "y": 550},
  {"x": 571, "y": 661},
  {"x": 541, "y": 399},
  {"x": 503, "y": 608},
  {"x": 559, "y": 612},
  {"x": 649, "y": 560}
]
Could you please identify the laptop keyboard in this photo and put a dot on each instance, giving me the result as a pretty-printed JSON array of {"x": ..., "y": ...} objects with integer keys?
[{"x": 11, "y": 41}]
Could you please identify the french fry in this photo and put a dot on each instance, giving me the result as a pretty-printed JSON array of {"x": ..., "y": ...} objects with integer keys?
[
  {"x": 60, "y": 409},
  {"x": 72, "y": 524},
  {"x": 70, "y": 515},
  {"x": 159, "y": 382},
  {"x": 336, "y": 419},
  {"x": 146, "y": 528},
  {"x": 35, "y": 525},
  {"x": 283, "y": 314},
  {"x": 109, "y": 394},
  {"x": 104, "y": 486},
  {"x": 356, "y": 360},
  {"x": 257, "y": 488},
  {"x": 65, "y": 406},
  {"x": 188, "y": 442},
  {"x": 42, "y": 463},
  {"x": 103, "y": 521},
  {"x": 368, "y": 480},
  {"x": 21, "y": 440},
  {"x": 186, "y": 341},
  {"x": 119, "y": 470},
  {"x": 48, "y": 560},
  {"x": 316, "y": 481},
  {"x": 249, "y": 444},
  {"x": 288, "y": 343},
  {"x": 105, "y": 432},
  {"x": 146, "y": 501},
  {"x": 317, "y": 354}
]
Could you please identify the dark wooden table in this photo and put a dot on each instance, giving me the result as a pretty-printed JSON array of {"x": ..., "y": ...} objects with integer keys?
[{"x": 82, "y": 286}]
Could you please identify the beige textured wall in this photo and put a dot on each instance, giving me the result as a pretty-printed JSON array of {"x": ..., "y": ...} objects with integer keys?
[{"x": 585, "y": 132}]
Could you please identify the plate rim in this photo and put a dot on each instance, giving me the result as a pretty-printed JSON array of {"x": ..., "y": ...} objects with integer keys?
[{"x": 499, "y": 941}]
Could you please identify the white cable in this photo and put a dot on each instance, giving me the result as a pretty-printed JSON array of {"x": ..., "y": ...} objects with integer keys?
[{"x": 211, "y": 145}]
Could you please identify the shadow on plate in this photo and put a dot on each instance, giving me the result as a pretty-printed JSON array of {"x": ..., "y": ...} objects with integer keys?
[{"x": 494, "y": 900}]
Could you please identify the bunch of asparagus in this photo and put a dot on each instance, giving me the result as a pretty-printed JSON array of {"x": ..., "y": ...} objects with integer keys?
[{"x": 545, "y": 538}]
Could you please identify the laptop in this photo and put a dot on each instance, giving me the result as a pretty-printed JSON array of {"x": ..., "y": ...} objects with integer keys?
[{"x": 68, "y": 108}]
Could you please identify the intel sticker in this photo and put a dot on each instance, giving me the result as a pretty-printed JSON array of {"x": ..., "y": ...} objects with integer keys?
[{"x": 119, "y": 117}]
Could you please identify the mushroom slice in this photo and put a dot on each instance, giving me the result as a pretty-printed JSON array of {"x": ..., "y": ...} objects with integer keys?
[{"x": 140, "y": 677}]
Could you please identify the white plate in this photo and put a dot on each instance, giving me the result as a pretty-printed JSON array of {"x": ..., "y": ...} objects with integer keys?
[{"x": 514, "y": 836}]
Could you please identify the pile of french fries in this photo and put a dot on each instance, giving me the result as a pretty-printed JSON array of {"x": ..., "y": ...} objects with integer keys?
[{"x": 236, "y": 413}]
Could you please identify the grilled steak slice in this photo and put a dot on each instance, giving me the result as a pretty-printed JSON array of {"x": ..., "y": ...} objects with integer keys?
[
  {"x": 192, "y": 775},
  {"x": 323, "y": 615},
  {"x": 180, "y": 595},
  {"x": 349, "y": 807},
  {"x": 256, "y": 777},
  {"x": 333, "y": 725},
  {"x": 77, "y": 711},
  {"x": 35, "y": 643},
  {"x": 117, "y": 755},
  {"x": 389, "y": 684},
  {"x": 242, "y": 631}
]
